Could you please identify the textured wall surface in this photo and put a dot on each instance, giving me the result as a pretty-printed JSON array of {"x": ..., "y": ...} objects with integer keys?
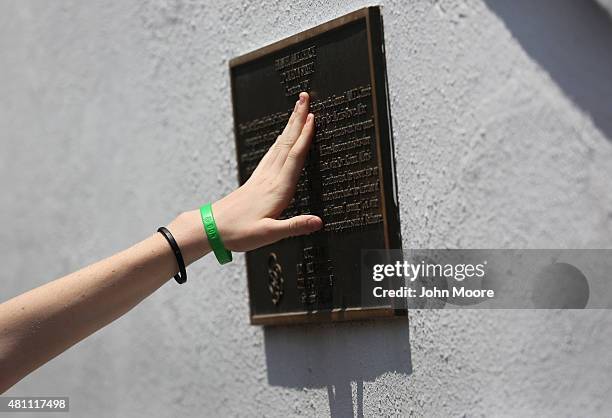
[
  {"x": 502, "y": 117},
  {"x": 607, "y": 4}
]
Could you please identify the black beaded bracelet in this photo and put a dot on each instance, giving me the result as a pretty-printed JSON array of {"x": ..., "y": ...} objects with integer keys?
[{"x": 181, "y": 277}]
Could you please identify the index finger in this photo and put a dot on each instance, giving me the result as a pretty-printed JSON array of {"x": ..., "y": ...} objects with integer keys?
[{"x": 294, "y": 163}]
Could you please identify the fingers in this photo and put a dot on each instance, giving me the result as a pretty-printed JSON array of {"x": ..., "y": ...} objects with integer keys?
[
  {"x": 272, "y": 152},
  {"x": 290, "y": 173},
  {"x": 295, "y": 128},
  {"x": 291, "y": 118},
  {"x": 292, "y": 131},
  {"x": 285, "y": 228},
  {"x": 265, "y": 162},
  {"x": 275, "y": 158}
]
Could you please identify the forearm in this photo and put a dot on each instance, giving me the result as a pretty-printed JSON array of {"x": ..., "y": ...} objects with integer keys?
[{"x": 40, "y": 324}]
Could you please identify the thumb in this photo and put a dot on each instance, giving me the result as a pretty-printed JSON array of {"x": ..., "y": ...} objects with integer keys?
[{"x": 298, "y": 225}]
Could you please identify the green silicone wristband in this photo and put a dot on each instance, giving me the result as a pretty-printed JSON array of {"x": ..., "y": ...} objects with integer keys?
[{"x": 210, "y": 227}]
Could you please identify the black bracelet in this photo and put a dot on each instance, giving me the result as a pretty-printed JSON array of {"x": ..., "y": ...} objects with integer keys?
[{"x": 181, "y": 277}]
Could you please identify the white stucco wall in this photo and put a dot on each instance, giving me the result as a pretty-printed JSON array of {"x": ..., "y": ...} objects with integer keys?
[{"x": 502, "y": 113}]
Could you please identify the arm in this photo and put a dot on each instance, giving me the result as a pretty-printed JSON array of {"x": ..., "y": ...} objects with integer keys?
[{"x": 40, "y": 324}]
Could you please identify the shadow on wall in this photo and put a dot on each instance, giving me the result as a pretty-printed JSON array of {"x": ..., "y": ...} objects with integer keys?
[
  {"x": 572, "y": 41},
  {"x": 334, "y": 355}
]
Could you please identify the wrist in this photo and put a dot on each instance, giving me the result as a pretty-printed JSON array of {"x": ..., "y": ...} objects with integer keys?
[
  {"x": 189, "y": 233},
  {"x": 226, "y": 225}
]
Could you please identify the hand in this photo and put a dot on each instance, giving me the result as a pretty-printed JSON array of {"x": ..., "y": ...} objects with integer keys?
[{"x": 246, "y": 218}]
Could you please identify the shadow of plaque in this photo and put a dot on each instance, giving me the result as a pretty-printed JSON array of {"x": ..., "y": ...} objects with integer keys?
[{"x": 349, "y": 176}]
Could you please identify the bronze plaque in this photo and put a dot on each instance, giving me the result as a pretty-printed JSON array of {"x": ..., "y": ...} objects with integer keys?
[{"x": 349, "y": 177}]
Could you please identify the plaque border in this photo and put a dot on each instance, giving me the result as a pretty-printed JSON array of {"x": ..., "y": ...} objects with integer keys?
[{"x": 389, "y": 199}]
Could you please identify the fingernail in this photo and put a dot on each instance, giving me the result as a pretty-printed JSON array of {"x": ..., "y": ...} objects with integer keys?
[
  {"x": 302, "y": 98},
  {"x": 310, "y": 117},
  {"x": 314, "y": 224}
]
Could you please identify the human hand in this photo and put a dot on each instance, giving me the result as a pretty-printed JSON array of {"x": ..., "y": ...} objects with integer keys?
[{"x": 246, "y": 218}]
